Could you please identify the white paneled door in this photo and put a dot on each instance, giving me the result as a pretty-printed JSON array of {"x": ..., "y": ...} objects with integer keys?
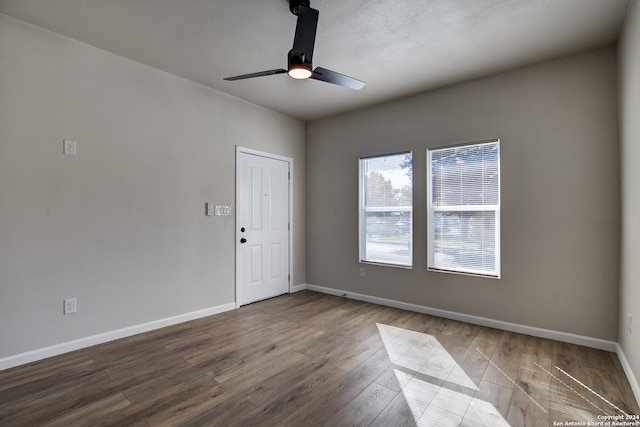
[{"x": 262, "y": 223}]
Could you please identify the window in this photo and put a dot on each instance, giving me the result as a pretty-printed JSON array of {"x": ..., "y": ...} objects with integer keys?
[
  {"x": 463, "y": 204},
  {"x": 386, "y": 200}
]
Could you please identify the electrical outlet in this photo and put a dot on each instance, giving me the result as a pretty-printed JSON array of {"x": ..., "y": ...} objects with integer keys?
[
  {"x": 69, "y": 147},
  {"x": 70, "y": 306},
  {"x": 361, "y": 271}
]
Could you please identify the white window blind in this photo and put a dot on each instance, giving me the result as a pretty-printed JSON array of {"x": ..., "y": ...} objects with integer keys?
[
  {"x": 463, "y": 201},
  {"x": 386, "y": 202}
]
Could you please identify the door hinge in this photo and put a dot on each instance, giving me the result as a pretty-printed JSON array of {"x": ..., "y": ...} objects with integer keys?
[
  {"x": 289, "y": 226},
  {"x": 289, "y": 277},
  {"x": 289, "y": 175}
]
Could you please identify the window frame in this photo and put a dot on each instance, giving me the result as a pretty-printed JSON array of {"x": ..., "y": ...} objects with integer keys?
[
  {"x": 362, "y": 210},
  {"x": 431, "y": 210}
]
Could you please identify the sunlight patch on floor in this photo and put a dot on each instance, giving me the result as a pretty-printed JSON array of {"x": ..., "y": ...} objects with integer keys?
[
  {"x": 422, "y": 353},
  {"x": 438, "y": 392}
]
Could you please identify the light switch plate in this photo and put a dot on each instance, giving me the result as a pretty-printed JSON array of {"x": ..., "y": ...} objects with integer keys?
[
  {"x": 222, "y": 210},
  {"x": 209, "y": 209}
]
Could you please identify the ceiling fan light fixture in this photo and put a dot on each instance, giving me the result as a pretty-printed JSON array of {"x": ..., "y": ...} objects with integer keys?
[{"x": 299, "y": 72}]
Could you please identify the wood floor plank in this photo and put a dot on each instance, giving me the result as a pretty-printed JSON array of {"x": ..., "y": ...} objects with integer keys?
[
  {"x": 331, "y": 400},
  {"x": 395, "y": 377},
  {"x": 309, "y": 359},
  {"x": 609, "y": 395},
  {"x": 526, "y": 410},
  {"x": 263, "y": 393},
  {"x": 221, "y": 358},
  {"x": 36, "y": 384},
  {"x": 44, "y": 405},
  {"x": 489, "y": 406},
  {"x": 198, "y": 400},
  {"x": 66, "y": 364},
  {"x": 447, "y": 407},
  {"x": 475, "y": 361},
  {"x": 398, "y": 413},
  {"x": 458, "y": 343},
  {"x": 541, "y": 350},
  {"x": 482, "y": 414},
  {"x": 185, "y": 340},
  {"x": 166, "y": 382},
  {"x": 325, "y": 346},
  {"x": 88, "y": 414},
  {"x": 186, "y": 395},
  {"x": 301, "y": 340},
  {"x": 568, "y": 403},
  {"x": 261, "y": 368},
  {"x": 364, "y": 408},
  {"x": 278, "y": 329},
  {"x": 504, "y": 364},
  {"x": 224, "y": 414},
  {"x": 143, "y": 367},
  {"x": 351, "y": 356},
  {"x": 288, "y": 401},
  {"x": 569, "y": 357}
]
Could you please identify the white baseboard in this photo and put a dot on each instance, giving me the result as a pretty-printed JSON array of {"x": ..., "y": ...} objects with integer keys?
[
  {"x": 65, "y": 347},
  {"x": 476, "y": 320},
  {"x": 633, "y": 382},
  {"x": 298, "y": 288}
]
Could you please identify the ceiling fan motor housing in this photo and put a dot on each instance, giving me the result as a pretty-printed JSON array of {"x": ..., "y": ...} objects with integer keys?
[{"x": 299, "y": 59}]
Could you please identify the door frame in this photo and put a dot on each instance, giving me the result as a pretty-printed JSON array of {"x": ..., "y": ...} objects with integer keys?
[{"x": 268, "y": 155}]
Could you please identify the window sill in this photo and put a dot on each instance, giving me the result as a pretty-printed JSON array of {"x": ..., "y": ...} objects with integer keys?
[
  {"x": 465, "y": 273},
  {"x": 384, "y": 264}
]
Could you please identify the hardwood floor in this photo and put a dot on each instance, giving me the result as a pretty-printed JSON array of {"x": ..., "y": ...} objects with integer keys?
[{"x": 309, "y": 359}]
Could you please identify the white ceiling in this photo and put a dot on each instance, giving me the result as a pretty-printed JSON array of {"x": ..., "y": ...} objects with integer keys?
[{"x": 399, "y": 47}]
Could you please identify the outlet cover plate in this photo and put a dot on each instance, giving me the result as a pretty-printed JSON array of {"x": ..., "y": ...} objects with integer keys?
[
  {"x": 70, "y": 306},
  {"x": 69, "y": 147}
]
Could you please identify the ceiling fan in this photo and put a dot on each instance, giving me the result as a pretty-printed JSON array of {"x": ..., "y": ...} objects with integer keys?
[{"x": 301, "y": 55}]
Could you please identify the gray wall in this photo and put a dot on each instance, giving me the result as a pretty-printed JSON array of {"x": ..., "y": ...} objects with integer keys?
[
  {"x": 629, "y": 55},
  {"x": 120, "y": 226},
  {"x": 560, "y": 194}
]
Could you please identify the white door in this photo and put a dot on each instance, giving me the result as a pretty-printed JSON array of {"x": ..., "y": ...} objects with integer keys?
[{"x": 262, "y": 234}]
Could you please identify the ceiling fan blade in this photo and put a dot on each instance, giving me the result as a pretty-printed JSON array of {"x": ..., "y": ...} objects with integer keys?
[
  {"x": 305, "y": 36},
  {"x": 336, "y": 78},
  {"x": 258, "y": 74}
]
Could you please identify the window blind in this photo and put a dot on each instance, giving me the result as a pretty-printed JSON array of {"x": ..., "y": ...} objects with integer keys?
[{"x": 463, "y": 184}]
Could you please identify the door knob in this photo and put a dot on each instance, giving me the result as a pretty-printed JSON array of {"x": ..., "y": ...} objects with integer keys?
[{"x": 243, "y": 240}]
